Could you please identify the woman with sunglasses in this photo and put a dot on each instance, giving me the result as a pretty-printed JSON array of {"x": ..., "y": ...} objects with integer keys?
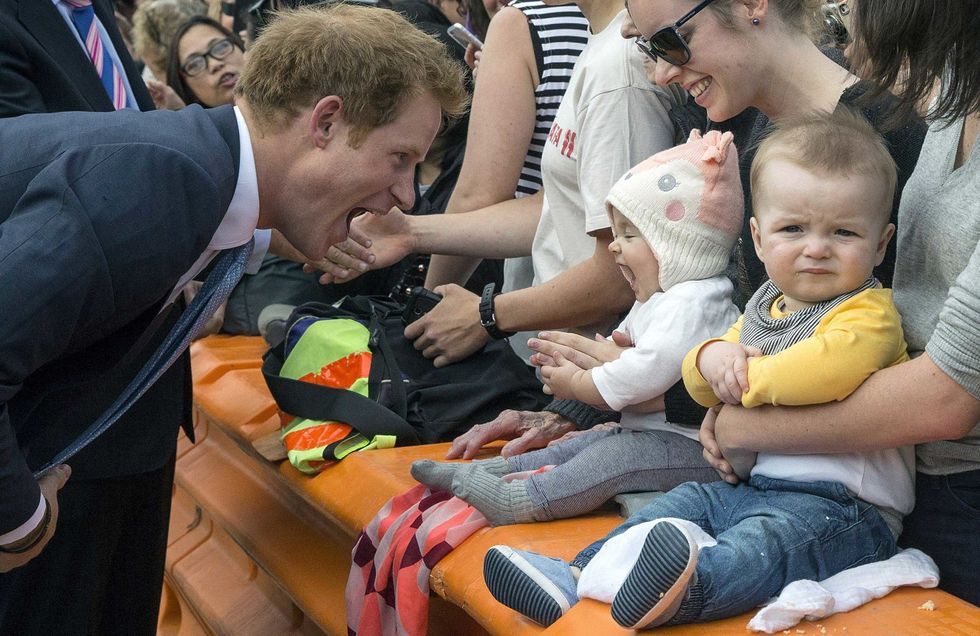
[
  {"x": 205, "y": 62},
  {"x": 930, "y": 52},
  {"x": 749, "y": 63}
]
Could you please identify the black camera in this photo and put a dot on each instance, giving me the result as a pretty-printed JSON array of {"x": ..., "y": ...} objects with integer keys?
[{"x": 420, "y": 301}]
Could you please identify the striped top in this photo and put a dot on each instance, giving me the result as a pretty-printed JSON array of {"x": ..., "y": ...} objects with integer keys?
[
  {"x": 772, "y": 335},
  {"x": 558, "y": 35}
]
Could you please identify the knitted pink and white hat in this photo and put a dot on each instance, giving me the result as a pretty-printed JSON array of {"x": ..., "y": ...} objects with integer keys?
[{"x": 687, "y": 202}]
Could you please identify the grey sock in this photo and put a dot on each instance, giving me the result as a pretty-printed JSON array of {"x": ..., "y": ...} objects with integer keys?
[
  {"x": 502, "y": 503},
  {"x": 495, "y": 466},
  {"x": 438, "y": 475}
]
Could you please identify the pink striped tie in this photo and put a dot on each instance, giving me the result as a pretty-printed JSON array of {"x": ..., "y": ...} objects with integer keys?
[{"x": 83, "y": 17}]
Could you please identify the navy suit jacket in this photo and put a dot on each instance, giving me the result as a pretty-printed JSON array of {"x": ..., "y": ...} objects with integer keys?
[
  {"x": 44, "y": 69},
  {"x": 100, "y": 215}
]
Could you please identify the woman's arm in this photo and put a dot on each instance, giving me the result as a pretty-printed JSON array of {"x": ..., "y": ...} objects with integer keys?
[
  {"x": 934, "y": 397},
  {"x": 909, "y": 403},
  {"x": 501, "y": 125},
  {"x": 592, "y": 291}
]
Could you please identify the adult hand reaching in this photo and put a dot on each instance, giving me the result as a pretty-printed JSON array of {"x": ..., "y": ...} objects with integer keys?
[
  {"x": 164, "y": 97},
  {"x": 581, "y": 351},
  {"x": 50, "y": 483},
  {"x": 472, "y": 58},
  {"x": 527, "y": 430},
  {"x": 451, "y": 331},
  {"x": 607, "y": 426},
  {"x": 374, "y": 242}
]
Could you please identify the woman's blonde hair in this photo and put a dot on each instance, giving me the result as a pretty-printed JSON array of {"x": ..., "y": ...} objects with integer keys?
[
  {"x": 801, "y": 15},
  {"x": 374, "y": 59},
  {"x": 154, "y": 25}
]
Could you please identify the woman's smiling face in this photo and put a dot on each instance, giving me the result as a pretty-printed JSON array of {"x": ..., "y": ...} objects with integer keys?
[{"x": 720, "y": 74}]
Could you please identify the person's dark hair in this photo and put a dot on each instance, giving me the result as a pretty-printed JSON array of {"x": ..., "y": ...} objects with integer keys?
[
  {"x": 176, "y": 79},
  {"x": 908, "y": 46},
  {"x": 476, "y": 15}
]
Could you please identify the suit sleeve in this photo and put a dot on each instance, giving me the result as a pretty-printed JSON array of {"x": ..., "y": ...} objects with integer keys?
[
  {"x": 858, "y": 338},
  {"x": 18, "y": 91},
  {"x": 75, "y": 267},
  {"x": 53, "y": 281}
]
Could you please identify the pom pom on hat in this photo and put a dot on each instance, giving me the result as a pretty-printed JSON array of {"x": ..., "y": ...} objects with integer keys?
[{"x": 687, "y": 202}]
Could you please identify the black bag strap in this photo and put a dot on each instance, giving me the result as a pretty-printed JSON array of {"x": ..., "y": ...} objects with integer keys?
[{"x": 397, "y": 399}]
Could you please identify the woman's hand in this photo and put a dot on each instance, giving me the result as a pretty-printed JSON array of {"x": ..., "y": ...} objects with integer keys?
[
  {"x": 472, "y": 58},
  {"x": 731, "y": 466},
  {"x": 374, "y": 242},
  {"x": 578, "y": 350},
  {"x": 526, "y": 431},
  {"x": 164, "y": 97},
  {"x": 608, "y": 426}
]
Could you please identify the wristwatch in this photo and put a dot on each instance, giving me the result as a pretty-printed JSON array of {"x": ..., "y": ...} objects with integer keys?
[{"x": 488, "y": 317}]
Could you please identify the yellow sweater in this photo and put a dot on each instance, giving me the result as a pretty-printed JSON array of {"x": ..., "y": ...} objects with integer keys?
[{"x": 855, "y": 339}]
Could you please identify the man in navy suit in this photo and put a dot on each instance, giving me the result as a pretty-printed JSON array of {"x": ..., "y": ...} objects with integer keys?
[
  {"x": 104, "y": 216},
  {"x": 44, "y": 67}
]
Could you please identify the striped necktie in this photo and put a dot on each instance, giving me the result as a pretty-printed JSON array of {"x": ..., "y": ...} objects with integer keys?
[
  {"x": 87, "y": 25},
  {"x": 228, "y": 269}
]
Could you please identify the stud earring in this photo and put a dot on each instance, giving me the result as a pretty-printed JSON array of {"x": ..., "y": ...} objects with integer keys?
[{"x": 756, "y": 21}]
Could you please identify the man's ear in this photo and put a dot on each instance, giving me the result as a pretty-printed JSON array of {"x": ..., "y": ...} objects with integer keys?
[
  {"x": 886, "y": 235},
  {"x": 327, "y": 113},
  {"x": 756, "y": 237}
]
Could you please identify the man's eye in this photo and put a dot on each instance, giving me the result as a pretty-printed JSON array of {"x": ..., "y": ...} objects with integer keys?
[
  {"x": 792, "y": 229},
  {"x": 843, "y": 232}
]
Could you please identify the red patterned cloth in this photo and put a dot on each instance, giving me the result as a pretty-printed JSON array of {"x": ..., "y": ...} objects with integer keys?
[{"x": 388, "y": 587}]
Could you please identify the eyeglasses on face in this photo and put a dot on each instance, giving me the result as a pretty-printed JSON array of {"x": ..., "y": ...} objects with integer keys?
[
  {"x": 667, "y": 44},
  {"x": 196, "y": 62}
]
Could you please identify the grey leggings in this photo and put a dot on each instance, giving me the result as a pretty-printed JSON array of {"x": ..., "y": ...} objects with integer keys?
[{"x": 594, "y": 467}]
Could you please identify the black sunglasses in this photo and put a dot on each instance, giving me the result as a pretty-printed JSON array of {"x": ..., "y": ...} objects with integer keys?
[
  {"x": 196, "y": 62},
  {"x": 667, "y": 44}
]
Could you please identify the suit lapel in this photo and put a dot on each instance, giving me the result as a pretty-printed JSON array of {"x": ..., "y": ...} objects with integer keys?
[{"x": 42, "y": 19}]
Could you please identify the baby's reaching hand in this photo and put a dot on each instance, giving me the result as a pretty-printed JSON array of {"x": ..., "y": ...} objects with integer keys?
[
  {"x": 567, "y": 381},
  {"x": 725, "y": 365},
  {"x": 559, "y": 377}
]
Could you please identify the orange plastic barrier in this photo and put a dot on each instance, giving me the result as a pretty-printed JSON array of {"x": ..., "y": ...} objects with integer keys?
[{"x": 259, "y": 548}]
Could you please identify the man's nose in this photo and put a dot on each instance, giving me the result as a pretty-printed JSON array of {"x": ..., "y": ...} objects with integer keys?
[{"x": 404, "y": 192}]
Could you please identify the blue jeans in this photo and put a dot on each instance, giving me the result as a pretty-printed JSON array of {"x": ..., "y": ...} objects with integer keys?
[
  {"x": 770, "y": 532},
  {"x": 946, "y": 525}
]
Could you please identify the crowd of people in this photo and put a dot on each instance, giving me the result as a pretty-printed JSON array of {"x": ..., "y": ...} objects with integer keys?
[{"x": 738, "y": 241}]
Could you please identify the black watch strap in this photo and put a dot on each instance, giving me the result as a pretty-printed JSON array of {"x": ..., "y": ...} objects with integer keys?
[{"x": 488, "y": 318}]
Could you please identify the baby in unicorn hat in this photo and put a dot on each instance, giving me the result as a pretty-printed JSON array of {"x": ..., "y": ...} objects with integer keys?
[{"x": 675, "y": 218}]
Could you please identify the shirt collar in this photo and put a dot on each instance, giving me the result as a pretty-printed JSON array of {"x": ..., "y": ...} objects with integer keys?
[{"x": 239, "y": 222}]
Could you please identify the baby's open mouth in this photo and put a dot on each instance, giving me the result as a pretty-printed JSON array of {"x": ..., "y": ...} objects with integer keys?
[{"x": 628, "y": 275}]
